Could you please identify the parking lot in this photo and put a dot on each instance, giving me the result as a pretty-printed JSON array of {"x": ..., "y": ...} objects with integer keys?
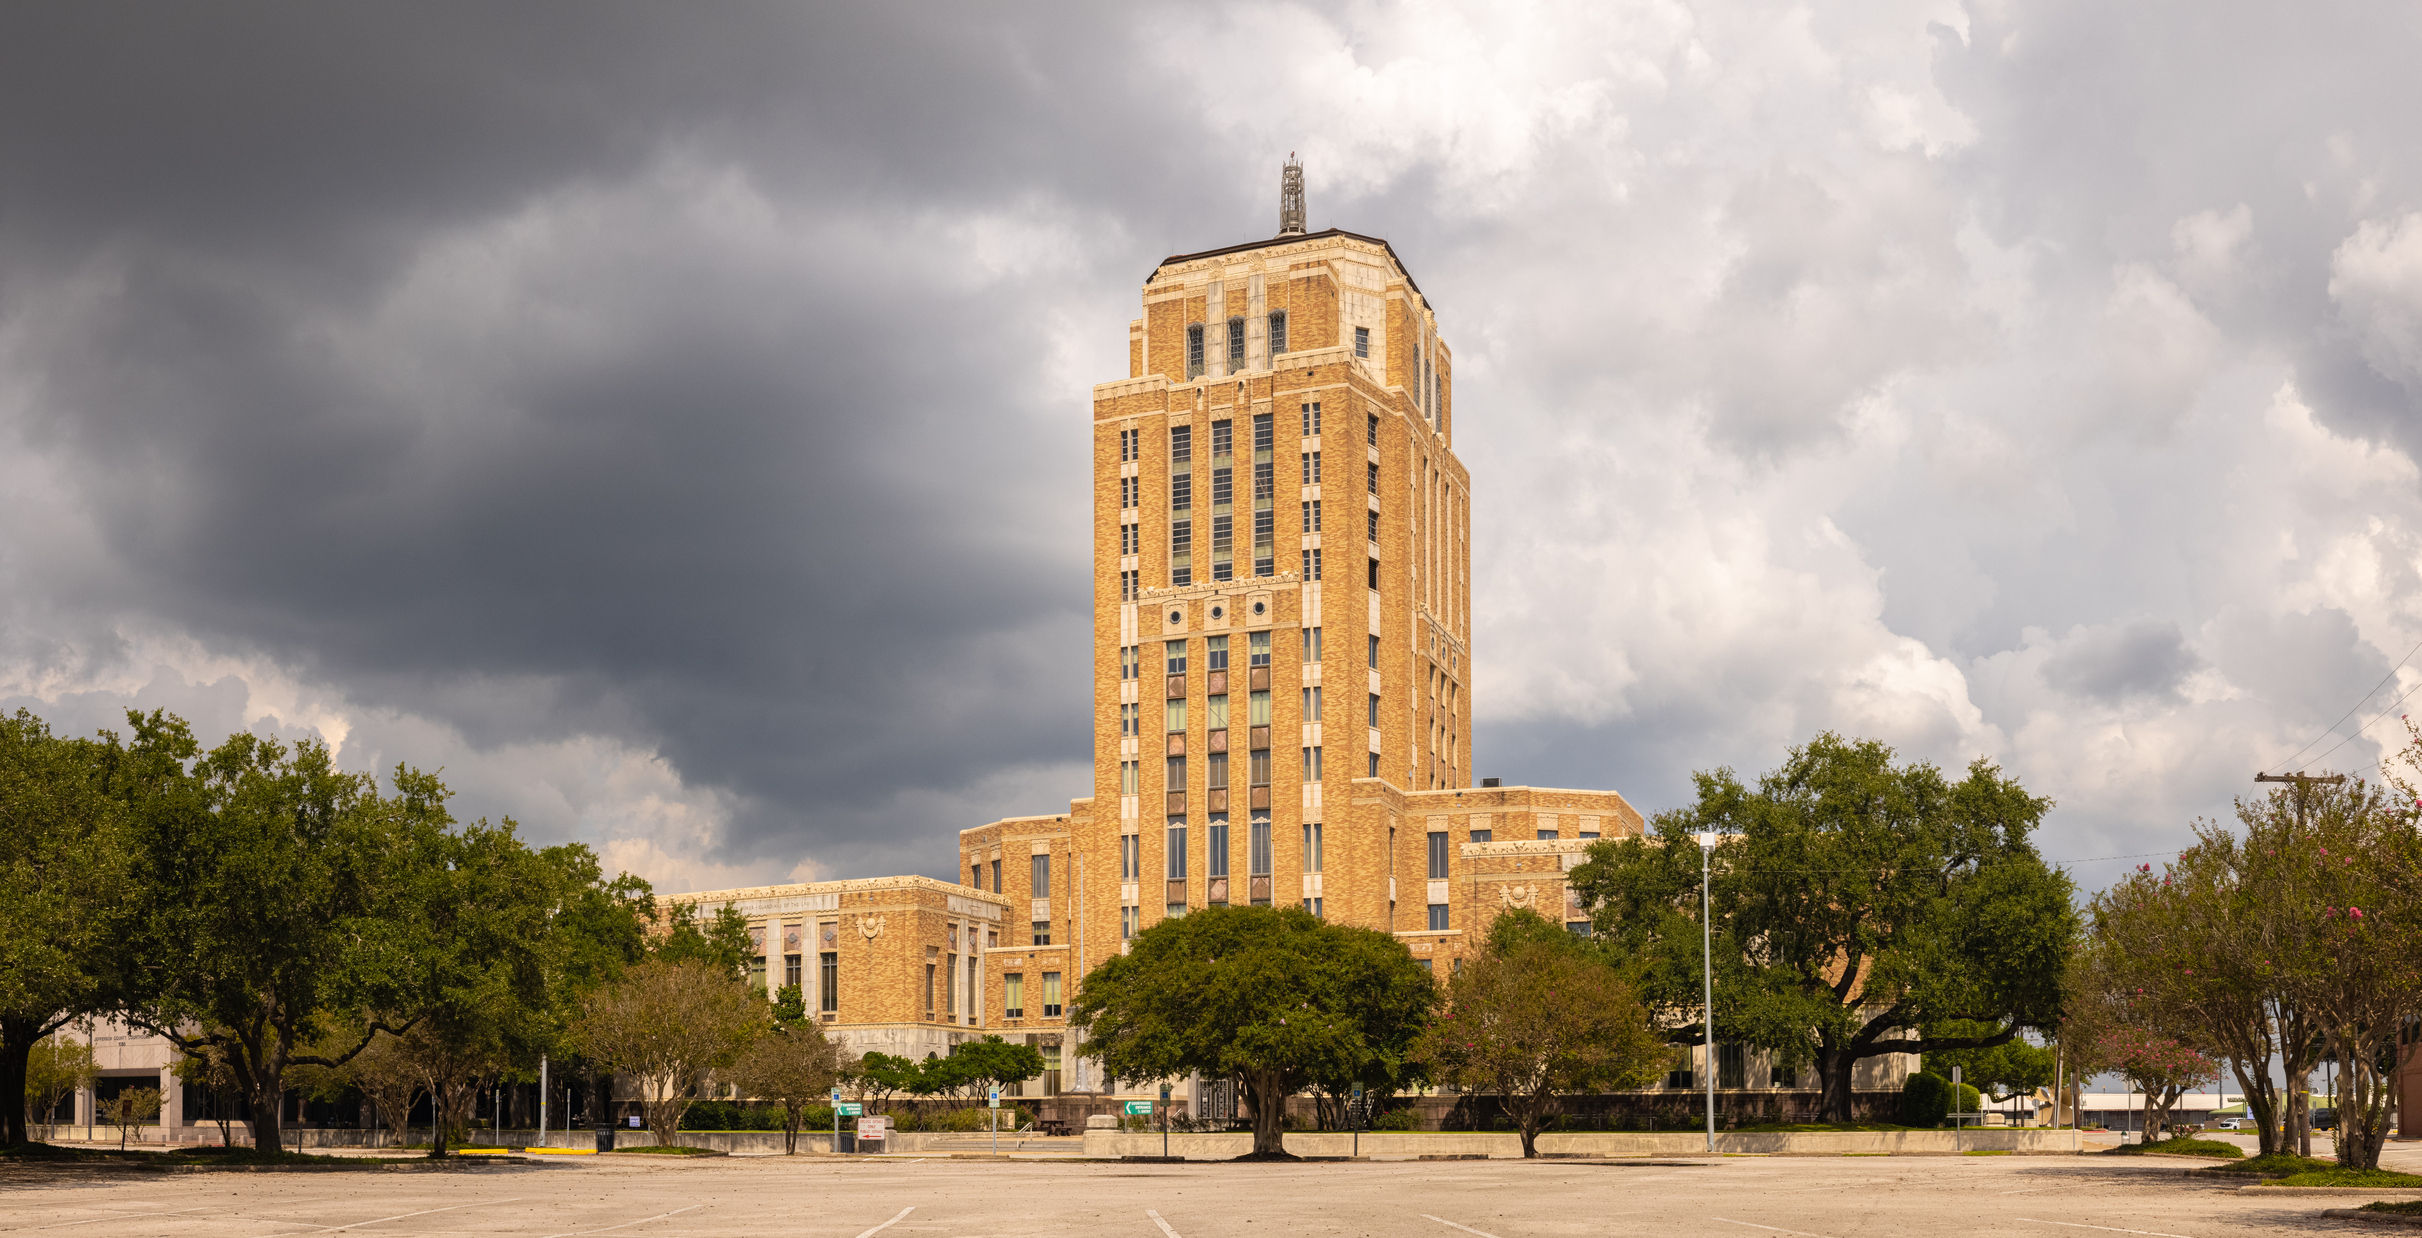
[{"x": 641, "y": 1197}]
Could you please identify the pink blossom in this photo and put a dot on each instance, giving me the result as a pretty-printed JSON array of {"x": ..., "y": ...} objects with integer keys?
[{"x": 2356, "y": 912}]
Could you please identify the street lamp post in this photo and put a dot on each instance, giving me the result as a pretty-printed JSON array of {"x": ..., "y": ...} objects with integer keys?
[{"x": 1707, "y": 975}]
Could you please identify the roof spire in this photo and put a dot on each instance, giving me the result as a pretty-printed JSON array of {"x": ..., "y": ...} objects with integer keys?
[{"x": 1291, "y": 197}]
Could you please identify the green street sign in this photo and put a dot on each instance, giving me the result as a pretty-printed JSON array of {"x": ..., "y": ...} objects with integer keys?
[
  {"x": 849, "y": 1109},
  {"x": 1141, "y": 1108}
]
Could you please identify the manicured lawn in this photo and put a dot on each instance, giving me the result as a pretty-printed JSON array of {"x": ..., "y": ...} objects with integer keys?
[
  {"x": 2275, "y": 1165},
  {"x": 2182, "y": 1145},
  {"x": 2410, "y": 1207},
  {"x": 2350, "y": 1177},
  {"x": 662, "y": 1150}
]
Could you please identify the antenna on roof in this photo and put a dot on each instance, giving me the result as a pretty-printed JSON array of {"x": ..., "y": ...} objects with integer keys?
[{"x": 1291, "y": 197}]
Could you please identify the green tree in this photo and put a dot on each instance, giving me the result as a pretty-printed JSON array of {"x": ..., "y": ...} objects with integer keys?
[
  {"x": 61, "y": 870},
  {"x": 1856, "y": 904},
  {"x": 131, "y": 1108},
  {"x": 1273, "y": 996},
  {"x": 878, "y": 1076},
  {"x": 665, "y": 1026},
  {"x": 269, "y": 887},
  {"x": 57, "y": 1066},
  {"x": 2015, "y": 1068},
  {"x": 1535, "y": 1020},
  {"x": 720, "y": 941},
  {"x": 992, "y": 1062},
  {"x": 792, "y": 1064}
]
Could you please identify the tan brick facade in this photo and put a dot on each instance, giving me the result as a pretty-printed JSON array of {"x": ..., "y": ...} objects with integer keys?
[{"x": 1302, "y": 729}]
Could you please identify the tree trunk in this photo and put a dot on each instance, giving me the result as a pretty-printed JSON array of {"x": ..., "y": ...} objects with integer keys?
[
  {"x": 2261, "y": 1105},
  {"x": 268, "y": 1113},
  {"x": 1263, "y": 1092},
  {"x": 1833, "y": 1073},
  {"x": 15, "y": 1048},
  {"x": 790, "y": 1131}
]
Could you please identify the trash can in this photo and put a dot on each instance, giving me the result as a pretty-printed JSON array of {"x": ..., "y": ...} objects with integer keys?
[
  {"x": 849, "y": 1142},
  {"x": 605, "y": 1137}
]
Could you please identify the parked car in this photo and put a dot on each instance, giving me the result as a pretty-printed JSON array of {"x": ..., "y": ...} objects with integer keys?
[
  {"x": 2236, "y": 1124},
  {"x": 2325, "y": 1119}
]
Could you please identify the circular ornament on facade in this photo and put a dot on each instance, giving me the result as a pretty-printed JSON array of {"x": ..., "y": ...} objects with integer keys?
[
  {"x": 1177, "y": 616},
  {"x": 1259, "y": 607},
  {"x": 1218, "y": 612}
]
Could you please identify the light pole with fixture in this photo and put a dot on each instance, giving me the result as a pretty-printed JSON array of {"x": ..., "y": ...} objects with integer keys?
[{"x": 1707, "y": 974}]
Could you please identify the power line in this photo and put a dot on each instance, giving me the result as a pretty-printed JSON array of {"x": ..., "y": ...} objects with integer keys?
[
  {"x": 2351, "y": 709},
  {"x": 2369, "y": 725}
]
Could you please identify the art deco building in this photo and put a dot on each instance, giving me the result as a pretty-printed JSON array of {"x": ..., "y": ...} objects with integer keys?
[{"x": 1282, "y": 642}]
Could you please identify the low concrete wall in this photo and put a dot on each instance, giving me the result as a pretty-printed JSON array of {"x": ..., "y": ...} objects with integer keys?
[{"x": 1506, "y": 1144}]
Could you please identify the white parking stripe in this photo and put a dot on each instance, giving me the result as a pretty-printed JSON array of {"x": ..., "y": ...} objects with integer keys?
[
  {"x": 1156, "y": 1220},
  {"x": 2108, "y": 1229},
  {"x": 1772, "y": 1229},
  {"x": 577, "y": 1233},
  {"x": 1451, "y": 1225},
  {"x": 118, "y": 1216},
  {"x": 903, "y": 1215},
  {"x": 332, "y": 1229}
]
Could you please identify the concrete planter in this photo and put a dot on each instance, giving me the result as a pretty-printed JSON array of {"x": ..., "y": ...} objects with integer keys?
[{"x": 1503, "y": 1145}]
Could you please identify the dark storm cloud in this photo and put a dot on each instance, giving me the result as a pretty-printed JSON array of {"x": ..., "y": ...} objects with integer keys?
[
  {"x": 2140, "y": 657},
  {"x": 814, "y": 532}
]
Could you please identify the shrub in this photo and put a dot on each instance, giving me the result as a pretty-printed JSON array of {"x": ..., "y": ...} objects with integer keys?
[
  {"x": 2184, "y": 1146},
  {"x": 1397, "y": 1120},
  {"x": 1926, "y": 1100}
]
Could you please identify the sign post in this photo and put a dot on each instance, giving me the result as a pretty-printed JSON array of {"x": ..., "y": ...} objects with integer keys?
[
  {"x": 992, "y": 1101},
  {"x": 1354, "y": 1118},
  {"x": 836, "y": 1148},
  {"x": 1959, "y": 1119},
  {"x": 1164, "y": 1121}
]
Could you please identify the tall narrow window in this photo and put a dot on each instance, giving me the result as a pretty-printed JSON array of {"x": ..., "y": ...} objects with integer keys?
[
  {"x": 1129, "y": 719},
  {"x": 1370, "y": 431},
  {"x": 1264, "y": 492},
  {"x": 1311, "y": 644},
  {"x": 1312, "y": 563},
  {"x": 1311, "y": 468},
  {"x": 1259, "y": 766},
  {"x": 1374, "y": 661},
  {"x": 1258, "y": 707},
  {"x": 1130, "y": 583},
  {"x": 1127, "y": 916},
  {"x": 791, "y": 969},
  {"x": 1362, "y": 341},
  {"x": 1258, "y": 849},
  {"x": 1215, "y": 713},
  {"x": 996, "y": 876},
  {"x": 1175, "y": 660},
  {"x": 1437, "y": 917},
  {"x": 1236, "y": 344},
  {"x": 1371, "y": 523},
  {"x": 1311, "y": 846},
  {"x": 1311, "y": 413},
  {"x": 1042, "y": 932},
  {"x": 1129, "y": 445},
  {"x": 1013, "y": 995},
  {"x": 1194, "y": 350},
  {"x": 1278, "y": 332},
  {"x": 1223, "y": 501},
  {"x": 1173, "y": 776},
  {"x": 1312, "y": 764},
  {"x": 1128, "y": 489},
  {"x": 1130, "y": 662},
  {"x": 1181, "y": 444},
  {"x": 1312, "y": 704},
  {"x": 1051, "y": 995},
  {"x": 1042, "y": 878},
  {"x": 1374, "y": 710},
  {"x": 828, "y": 981},
  {"x": 1259, "y": 646},
  {"x": 1131, "y": 857},
  {"x": 1174, "y": 714},
  {"x": 1215, "y": 778},
  {"x": 1177, "y": 850},
  {"x": 1215, "y": 843},
  {"x": 1127, "y": 777},
  {"x": 1438, "y": 855},
  {"x": 1311, "y": 515},
  {"x": 1215, "y": 653}
]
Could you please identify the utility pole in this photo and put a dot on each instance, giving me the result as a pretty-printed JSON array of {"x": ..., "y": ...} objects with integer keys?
[{"x": 2296, "y": 1124}]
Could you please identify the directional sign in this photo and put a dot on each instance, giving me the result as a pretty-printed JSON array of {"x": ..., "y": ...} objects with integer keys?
[
  {"x": 992, "y": 1098},
  {"x": 849, "y": 1109},
  {"x": 1140, "y": 1108}
]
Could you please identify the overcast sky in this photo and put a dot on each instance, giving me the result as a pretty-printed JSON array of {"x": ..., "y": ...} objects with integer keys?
[{"x": 672, "y": 420}]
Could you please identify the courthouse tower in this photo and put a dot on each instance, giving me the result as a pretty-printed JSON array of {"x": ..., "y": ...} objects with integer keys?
[{"x": 1281, "y": 632}]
